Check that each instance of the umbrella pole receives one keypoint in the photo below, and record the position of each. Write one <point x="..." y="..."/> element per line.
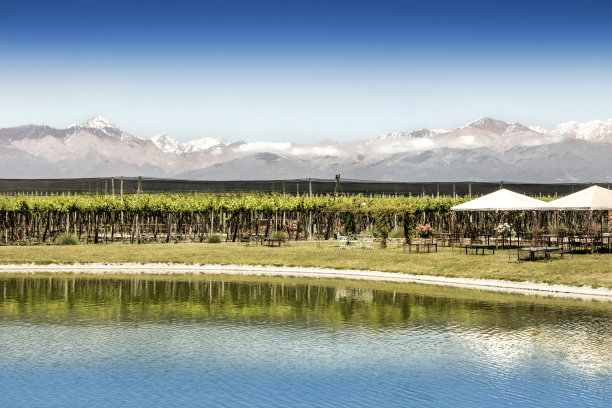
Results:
<point x="452" y="229"/>
<point x="534" y="231"/>
<point x="592" y="231"/>
<point x="496" y="224"/>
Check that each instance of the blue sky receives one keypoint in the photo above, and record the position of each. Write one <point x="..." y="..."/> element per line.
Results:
<point x="303" y="70"/>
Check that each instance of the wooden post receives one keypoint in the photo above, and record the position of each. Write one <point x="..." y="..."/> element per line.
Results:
<point x="309" y="225"/>
<point x="113" y="186"/>
<point x="336" y="186"/>
<point x="136" y="218"/>
<point x="139" y="188"/>
<point x="169" y="229"/>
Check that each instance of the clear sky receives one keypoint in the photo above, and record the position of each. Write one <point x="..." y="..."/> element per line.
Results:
<point x="303" y="70"/>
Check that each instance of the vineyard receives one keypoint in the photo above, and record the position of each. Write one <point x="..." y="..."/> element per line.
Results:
<point x="141" y="218"/>
<point x="193" y="217"/>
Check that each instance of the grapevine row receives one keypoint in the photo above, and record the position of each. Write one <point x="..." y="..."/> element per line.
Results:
<point x="194" y="217"/>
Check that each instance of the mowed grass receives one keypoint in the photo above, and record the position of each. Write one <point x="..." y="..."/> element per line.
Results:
<point x="592" y="269"/>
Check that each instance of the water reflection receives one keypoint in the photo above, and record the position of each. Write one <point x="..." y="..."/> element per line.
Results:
<point x="278" y="342"/>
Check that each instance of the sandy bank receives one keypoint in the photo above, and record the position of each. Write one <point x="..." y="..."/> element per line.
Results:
<point x="528" y="288"/>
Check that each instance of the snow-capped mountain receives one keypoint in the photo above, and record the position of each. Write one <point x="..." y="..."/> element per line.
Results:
<point x="97" y="122"/>
<point x="414" y="134"/>
<point x="169" y="145"/>
<point x="596" y="131"/>
<point x="485" y="149"/>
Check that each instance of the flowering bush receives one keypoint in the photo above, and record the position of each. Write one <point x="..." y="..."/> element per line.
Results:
<point x="339" y="228"/>
<point x="424" y="230"/>
<point x="505" y="230"/>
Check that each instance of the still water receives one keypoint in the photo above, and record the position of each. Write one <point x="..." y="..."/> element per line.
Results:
<point x="194" y="342"/>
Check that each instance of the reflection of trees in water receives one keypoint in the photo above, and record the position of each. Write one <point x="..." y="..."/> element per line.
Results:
<point x="106" y="299"/>
<point x="503" y="330"/>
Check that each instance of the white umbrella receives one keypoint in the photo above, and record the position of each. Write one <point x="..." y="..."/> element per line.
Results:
<point x="590" y="199"/>
<point x="502" y="200"/>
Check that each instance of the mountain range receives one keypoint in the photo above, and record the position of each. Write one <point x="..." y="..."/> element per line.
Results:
<point x="483" y="150"/>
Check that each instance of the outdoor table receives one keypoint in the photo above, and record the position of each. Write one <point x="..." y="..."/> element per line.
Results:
<point x="487" y="236"/>
<point x="426" y="245"/>
<point x="476" y="247"/>
<point x="272" y="241"/>
<point x="506" y="239"/>
<point x="258" y="239"/>
<point x="352" y="241"/>
<point x="548" y="238"/>
<point x="579" y="242"/>
<point x="606" y="240"/>
<point x="445" y="238"/>
<point x="533" y="251"/>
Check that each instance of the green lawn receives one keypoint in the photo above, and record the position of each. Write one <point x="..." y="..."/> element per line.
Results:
<point x="593" y="270"/>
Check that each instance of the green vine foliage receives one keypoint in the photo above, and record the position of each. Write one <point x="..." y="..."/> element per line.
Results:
<point x="156" y="204"/>
<point x="348" y="220"/>
<point x="382" y="224"/>
<point x="27" y="218"/>
<point x="409" y="227"/>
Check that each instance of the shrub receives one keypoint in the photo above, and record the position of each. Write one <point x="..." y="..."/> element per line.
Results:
<point x="424" y="230"/>
<point x="214" y="239"/>
<point x="67" y="239"/>
<point x="280" y="235"/>
<point x="374" y="233"/>
<point x="396" y="233"/>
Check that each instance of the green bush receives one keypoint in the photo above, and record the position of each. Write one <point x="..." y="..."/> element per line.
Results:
<point x="67" y="239"/>
<point x="214" y="239"/>
<point x="374" y="233"/>
<point x="397" y="233"/>
<point x="280" y="235"/>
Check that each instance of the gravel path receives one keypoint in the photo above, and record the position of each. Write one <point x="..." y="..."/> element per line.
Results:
<point x="529" y="288"/>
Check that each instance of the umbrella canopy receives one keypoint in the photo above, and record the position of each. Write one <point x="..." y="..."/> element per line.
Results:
<point x="502" y="200"/>
<point x="592" y="198"/>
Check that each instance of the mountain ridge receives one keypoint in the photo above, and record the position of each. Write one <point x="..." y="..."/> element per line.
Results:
<point x="483" y="149"/>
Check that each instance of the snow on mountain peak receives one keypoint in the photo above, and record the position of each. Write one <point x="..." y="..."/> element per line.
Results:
<point x="206" y="143"/>
<point x="165" y="143"/>
<point x="489" y="124"/>
<point x="169" y="145"/>
<point x="597" y="130"/>
<point x="98" y="122"/>
<point x="539" y="129"/>
<point x="414" y="134"/>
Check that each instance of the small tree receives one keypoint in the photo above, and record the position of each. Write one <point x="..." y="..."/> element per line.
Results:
<point x="383" y="225"/>
<point x="409" y="230"/>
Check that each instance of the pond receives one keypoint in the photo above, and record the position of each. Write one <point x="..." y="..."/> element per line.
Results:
<point x="164" y="341"/>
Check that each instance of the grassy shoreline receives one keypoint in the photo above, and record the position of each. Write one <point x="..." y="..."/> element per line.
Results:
<point x="590" y="270"/>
